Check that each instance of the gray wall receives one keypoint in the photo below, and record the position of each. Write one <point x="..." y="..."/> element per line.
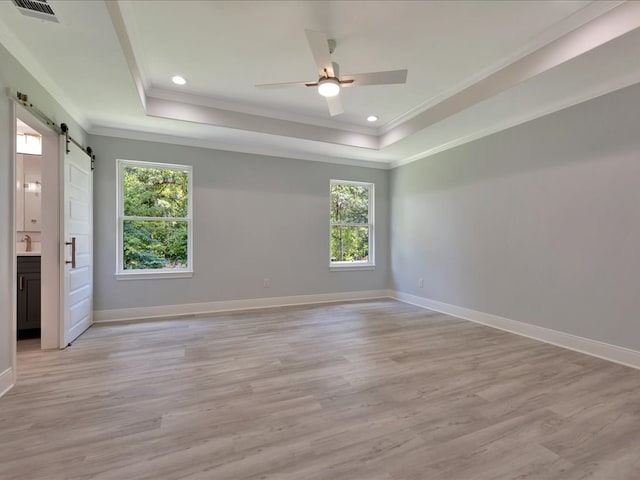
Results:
<point x="254" y="217"/>
<point x="15" y="77"/>
<point x="539" y="223"/>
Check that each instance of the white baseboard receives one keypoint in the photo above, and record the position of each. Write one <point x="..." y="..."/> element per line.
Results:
<point x="165" y="311"/>
<point x="7" y="381"/>
<point x="595" y="348"/>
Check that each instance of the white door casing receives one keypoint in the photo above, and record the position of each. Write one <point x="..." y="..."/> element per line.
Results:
<point x="77" y="244"/>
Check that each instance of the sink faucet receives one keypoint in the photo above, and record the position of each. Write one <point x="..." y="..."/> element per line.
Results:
<point x="27" y="239"/>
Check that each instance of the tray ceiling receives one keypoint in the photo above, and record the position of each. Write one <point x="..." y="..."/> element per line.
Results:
<point x="475" y="67"/>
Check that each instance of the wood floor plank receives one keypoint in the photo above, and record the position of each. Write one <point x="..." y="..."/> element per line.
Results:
<point x="375" y="390"/>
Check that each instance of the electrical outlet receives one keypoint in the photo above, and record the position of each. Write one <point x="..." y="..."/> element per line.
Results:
<point x="421" y="282"/>
<point x="267" y="283"/>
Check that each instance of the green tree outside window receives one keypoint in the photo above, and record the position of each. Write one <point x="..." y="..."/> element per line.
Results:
<point x="351" y="222"/>
<point x="155" y="216"/>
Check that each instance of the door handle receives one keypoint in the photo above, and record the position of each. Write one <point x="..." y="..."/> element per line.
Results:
<point x="73" y="252"/>
<point x="21" y="283"/>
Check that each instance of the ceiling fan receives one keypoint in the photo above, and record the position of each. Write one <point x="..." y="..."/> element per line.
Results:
<point x="330" y="82"/>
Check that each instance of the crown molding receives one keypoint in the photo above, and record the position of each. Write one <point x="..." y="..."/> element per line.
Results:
<point x="249" y="149"/>
<point x="585" y="96"/>
<point x="157" y="107"/>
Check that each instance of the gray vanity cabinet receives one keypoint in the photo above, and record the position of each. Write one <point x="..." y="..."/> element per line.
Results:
<point x="28" y="296"/>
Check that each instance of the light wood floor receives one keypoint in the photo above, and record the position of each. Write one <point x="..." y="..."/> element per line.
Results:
<point x="356" y="391"/>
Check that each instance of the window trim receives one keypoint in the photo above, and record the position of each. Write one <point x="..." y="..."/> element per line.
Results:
<point x="121" y="273"/>
<point x="370" y="264"/>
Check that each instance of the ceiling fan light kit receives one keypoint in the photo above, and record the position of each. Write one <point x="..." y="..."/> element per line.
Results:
<point x="328" y="87"/>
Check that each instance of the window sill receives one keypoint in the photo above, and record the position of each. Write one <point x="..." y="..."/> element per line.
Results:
<point x="351" y="266"/>
<point x="153" y="275"/>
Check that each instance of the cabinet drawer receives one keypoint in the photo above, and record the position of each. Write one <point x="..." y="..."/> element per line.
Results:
<point x="28" y="264"/>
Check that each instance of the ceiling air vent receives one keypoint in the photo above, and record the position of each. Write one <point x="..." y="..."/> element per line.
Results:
<point x="36" y="8"/>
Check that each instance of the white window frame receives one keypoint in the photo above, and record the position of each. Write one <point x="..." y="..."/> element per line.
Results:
<point x="357" y="265"/>
<point x="121" y="273"/>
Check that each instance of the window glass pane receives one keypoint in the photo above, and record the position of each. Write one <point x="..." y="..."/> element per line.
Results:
<point x="349" y="203"/>
<point x="28" y="143"/>
<point x="349" y="244"/>
<point x="154" y="245"/>
<point x="153" y="192"/>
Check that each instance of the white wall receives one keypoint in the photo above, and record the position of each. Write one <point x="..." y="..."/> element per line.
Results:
<point x="15" y="77"/>
<point x="255" y="217"/>
<point x="539" y="223"/>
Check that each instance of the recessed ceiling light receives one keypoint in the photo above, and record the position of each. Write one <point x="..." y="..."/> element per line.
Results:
<point x="372" y="118"/>
<point x="178" y="80"/>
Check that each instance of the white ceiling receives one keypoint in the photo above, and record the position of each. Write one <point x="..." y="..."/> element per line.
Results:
<point x="475" y="67"/>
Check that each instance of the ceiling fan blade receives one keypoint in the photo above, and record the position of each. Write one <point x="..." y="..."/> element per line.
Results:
<point x="319" y="46"/>
<point x="376" y="78"/>
<point x="267" y="86"/>
<point x="335" y="105"/>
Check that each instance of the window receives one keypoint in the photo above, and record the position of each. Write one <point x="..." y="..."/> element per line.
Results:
<point x="154" y="220"/>
<point x="352" y="231"/>
<point x="29" y="143"/>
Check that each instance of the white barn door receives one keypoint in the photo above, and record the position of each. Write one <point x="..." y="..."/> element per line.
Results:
<point x="77" y="277"/>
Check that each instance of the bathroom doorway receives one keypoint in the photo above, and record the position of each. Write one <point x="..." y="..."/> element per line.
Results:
<point x="36" y="232"/>
<point x="28" y="215"/>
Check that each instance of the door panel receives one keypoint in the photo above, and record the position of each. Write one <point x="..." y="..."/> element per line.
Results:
<point x="78" y="238"/>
